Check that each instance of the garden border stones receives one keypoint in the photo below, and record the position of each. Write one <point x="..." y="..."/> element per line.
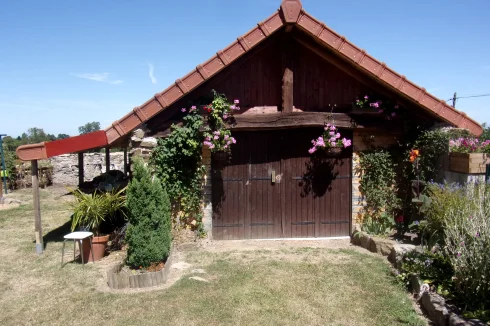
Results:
<point x="122" y="280"/>
<point x="433" y="304"/>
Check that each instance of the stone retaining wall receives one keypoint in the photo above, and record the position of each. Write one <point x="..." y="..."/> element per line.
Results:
<point x="433" y="304"/>
<point x="65" y="167"/>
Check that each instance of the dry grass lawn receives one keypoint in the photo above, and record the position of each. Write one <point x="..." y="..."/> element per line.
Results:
<point x="289" y="286"/>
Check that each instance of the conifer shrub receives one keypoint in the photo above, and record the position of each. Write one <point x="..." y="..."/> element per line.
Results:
<point x="149" y="231"/>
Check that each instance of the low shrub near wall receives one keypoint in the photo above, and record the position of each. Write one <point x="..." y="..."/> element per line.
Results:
<point x="467" y="238"/>
<point x="149" y="232"/>
<point x="457" y="226"/>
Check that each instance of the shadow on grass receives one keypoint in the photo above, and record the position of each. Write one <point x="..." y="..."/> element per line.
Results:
<point x="57" y="234"/>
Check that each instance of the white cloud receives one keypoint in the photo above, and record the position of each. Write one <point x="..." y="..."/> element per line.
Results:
<point x="99" y="77"/>
<point x="150" y="73"/>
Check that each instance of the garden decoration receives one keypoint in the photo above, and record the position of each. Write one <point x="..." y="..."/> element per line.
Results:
<point x="373" y="104"/>
<point x="330" y="141"/>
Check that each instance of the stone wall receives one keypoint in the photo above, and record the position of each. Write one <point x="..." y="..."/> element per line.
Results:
<point x="141" y="145"/>
<point x="65" y="167"/>
<point x="463" y="178"/>
<point x="207" y="205"/>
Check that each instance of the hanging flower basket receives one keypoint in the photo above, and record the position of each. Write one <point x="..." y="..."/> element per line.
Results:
<point x="220" y="159"/>
<point x="330" y="141"/>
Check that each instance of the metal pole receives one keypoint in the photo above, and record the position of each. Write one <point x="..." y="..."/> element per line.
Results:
<point x="3" y="165"/>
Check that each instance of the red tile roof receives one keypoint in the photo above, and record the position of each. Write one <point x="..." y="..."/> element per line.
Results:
<point x="290" y="13"/>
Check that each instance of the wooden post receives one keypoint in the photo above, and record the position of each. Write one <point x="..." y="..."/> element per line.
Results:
<point x="81" y="177"/>
<point x="37" y="208"/>
<point x="107" y="159"/>
<point x="288" y="77"/>
<point x="125" y="161"/>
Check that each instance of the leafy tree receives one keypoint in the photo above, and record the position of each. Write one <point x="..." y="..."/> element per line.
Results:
<point x="486" y="132"/>
<point x="37" y="135"/>
<point x="149" y="232"/>
<point x="62" y="136"/>
<point x="89" y="127"/>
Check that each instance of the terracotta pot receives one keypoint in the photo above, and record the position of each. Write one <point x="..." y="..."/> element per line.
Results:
<point x="99" y="244"/>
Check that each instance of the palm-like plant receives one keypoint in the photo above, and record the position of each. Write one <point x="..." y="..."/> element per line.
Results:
<point x="91" y="210"/>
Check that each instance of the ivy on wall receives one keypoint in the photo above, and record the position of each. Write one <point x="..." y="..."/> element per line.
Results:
<point x="387" y="175"/>
<point x="378" y="182"/>
<point x="177" y="161"/>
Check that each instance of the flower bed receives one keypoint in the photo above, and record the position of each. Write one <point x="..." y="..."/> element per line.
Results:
<point x="436" y="307"/>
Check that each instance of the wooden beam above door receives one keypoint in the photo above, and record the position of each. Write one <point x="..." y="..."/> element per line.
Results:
<point x="284" y="120"/>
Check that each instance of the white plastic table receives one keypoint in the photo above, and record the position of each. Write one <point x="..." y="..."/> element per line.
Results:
<point x="78" y="236"/>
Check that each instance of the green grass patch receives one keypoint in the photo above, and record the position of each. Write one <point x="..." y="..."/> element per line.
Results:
<point x="305" y="286"/>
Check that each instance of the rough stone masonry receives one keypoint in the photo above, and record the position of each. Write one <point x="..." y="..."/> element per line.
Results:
<point x="65" y="167"/>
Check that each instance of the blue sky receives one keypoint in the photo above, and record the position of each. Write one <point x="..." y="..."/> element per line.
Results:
<point x="65" y="63"/>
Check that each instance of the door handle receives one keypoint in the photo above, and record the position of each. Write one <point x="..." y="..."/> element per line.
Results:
<point x="273" y="176"/>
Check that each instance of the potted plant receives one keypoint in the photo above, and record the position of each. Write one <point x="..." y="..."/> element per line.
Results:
<point x="330" y="141"/>
<point x="90" y="212"/>
<point x="375" y="105"/>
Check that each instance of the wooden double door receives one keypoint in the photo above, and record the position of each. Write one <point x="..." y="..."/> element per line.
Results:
<point x="273" y="188"/>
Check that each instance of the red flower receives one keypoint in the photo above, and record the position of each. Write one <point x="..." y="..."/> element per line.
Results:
<point x="400" y="219"/>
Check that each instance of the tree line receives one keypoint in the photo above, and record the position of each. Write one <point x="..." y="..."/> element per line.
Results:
<point x="36" y="135"/>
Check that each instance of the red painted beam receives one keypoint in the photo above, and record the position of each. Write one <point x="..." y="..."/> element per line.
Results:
<point x="64" y="146"/>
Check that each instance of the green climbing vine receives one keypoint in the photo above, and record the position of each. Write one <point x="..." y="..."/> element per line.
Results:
<point x="177" y="161"/>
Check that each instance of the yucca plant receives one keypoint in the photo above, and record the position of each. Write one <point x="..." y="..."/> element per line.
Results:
<point x="91" y="210"/>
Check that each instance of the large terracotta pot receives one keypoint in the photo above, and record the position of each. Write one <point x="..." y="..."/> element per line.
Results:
<point x="99" y="244"/>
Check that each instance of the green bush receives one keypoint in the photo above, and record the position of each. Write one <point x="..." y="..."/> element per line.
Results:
<point x="149" y="232"/>
<point x="379" y="190"/>
<point x="432" y="267"/>
<point x="380" y="225"/>
<point x="467" y="239"/>
<point x="444" y="197"/>
<point x="178" y="163"/>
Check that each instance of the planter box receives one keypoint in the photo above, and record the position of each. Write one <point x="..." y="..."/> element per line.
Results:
<point x="468" y="163"/>
<point x="116" y="279"/>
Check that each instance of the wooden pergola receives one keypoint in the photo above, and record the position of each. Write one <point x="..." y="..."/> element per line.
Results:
<point x="78" y="144"/>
